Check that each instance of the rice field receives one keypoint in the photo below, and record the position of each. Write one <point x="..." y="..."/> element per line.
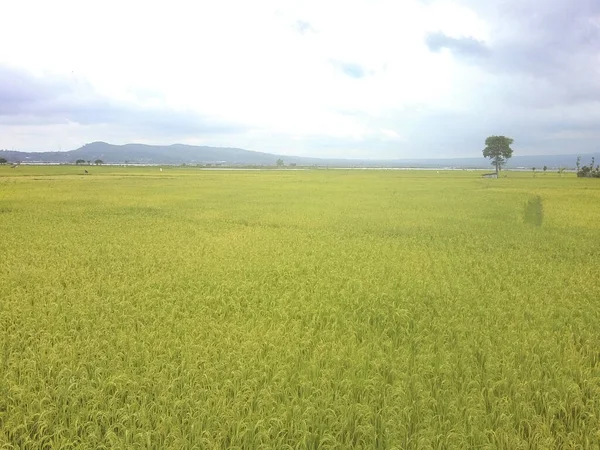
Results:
<point x="317" y="309"/>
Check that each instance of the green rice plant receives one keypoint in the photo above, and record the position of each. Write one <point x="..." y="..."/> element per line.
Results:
<point x="308" y="309"/>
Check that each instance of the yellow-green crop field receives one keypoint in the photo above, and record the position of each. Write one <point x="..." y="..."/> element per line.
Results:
<point x="286" y="309"/>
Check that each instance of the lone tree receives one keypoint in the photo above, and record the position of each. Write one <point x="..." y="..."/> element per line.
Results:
<point x="98" y="162"/>
<point x="3" y="161"/>
<point x="497" y="148"/>
<point x="545" y="168"/>
<point x="80" y="161"/>
<point x="280" y="163"/>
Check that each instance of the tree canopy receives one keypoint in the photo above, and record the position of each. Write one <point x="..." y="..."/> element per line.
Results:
<point x="497" y="148"/>
<point x="588" y="171"/>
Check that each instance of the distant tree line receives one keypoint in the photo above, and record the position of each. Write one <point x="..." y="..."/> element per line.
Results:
<point x="545" y="168"/>
<point x="587" y="171"/>
<point x="89" y="163"/>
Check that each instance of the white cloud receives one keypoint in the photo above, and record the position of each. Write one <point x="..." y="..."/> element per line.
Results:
<point x="326" y="78"/>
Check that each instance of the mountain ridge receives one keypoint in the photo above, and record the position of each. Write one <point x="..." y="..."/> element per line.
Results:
<point x="191" y="154"/>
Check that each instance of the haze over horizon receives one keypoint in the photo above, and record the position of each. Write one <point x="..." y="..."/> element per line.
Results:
<point x="341" y="79"/>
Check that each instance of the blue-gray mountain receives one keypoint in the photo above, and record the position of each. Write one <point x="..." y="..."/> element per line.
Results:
<point x="189" y="154"/>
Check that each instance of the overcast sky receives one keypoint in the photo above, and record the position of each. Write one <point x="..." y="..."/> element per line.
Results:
<point x="331" y="78"/>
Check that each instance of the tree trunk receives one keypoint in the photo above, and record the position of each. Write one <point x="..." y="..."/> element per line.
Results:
<point x="497" y="169"/>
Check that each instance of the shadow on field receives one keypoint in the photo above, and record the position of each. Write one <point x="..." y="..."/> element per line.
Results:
<point x="533" y="213"/>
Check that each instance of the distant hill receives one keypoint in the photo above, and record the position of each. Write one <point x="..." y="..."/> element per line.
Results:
<point x="146" y="154"/>
<point x="190" y="154"/>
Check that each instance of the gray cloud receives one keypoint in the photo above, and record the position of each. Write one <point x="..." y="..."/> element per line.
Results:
<point x="464" y="46"/>
<point x="541" y="83"/>
<point x="554" y="42"/>
<point x="29" y="100"/>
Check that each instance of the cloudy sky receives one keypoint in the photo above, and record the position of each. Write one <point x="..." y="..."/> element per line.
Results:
<point x="331" y="78"/>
